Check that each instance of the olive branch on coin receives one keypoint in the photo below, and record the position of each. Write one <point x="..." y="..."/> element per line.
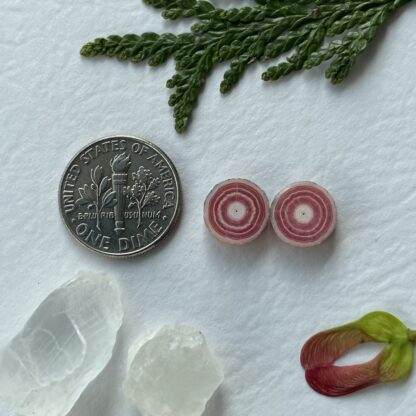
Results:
<point x="312" y="31"/>
<point x="141" y="193"/>
<point x="98" y="195"/>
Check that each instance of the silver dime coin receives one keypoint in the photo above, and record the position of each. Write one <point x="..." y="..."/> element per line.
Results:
<point x="120" y="196"/>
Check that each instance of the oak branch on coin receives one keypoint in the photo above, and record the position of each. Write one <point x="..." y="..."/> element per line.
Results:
<point x="308" y="30"/>
<point x="98" y="195"/>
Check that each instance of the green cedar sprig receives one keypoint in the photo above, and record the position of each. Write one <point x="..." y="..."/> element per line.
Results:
<point x="245" y="35"/>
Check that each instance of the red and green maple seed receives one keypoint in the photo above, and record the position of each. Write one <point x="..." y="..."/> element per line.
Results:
<point x="394" y="362"/>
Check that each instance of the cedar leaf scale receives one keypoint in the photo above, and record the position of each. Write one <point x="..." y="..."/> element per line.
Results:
<point x="311" y="32"/>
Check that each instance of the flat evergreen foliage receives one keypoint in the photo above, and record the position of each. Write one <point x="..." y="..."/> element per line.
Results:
<point x="312" y="32"/>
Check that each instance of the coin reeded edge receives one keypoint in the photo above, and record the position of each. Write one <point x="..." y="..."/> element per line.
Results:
<point x="172" y="223"/>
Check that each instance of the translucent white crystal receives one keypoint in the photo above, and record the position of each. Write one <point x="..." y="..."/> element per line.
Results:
<point x="64" y="345"/>
<point x="173" y="374"/>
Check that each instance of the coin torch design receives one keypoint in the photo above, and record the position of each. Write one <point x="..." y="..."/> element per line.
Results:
<point x="120" y="196"/>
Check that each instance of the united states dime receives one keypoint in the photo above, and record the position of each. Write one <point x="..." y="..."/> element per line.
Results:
<point x="120" y="196"/>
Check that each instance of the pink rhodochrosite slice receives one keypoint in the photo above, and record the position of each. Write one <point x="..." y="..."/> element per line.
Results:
<point x="236" y="211"/>
<point x="303" y="214"/>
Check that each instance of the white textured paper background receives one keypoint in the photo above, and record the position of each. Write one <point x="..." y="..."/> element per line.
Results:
<point x="256" y="304"/>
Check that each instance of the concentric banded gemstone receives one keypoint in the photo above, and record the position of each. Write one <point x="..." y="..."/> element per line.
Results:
<point x="236" y="211"/>
<point x="304" y="214"/>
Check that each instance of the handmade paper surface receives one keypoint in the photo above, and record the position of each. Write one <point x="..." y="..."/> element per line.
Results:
<point x="256" y="304"/>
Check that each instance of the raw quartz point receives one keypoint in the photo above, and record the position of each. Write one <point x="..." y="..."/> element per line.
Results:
<point x="173" y="374"/>
<point x="66" y="343"/>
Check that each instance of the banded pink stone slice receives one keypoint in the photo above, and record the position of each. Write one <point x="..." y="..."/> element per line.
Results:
<point x="303" y="214"/>
<point x="236" y="211"/>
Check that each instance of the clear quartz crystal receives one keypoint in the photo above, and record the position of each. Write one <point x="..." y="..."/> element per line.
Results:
<point x="173" y="374"/>
<point x="65" y="344"/>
